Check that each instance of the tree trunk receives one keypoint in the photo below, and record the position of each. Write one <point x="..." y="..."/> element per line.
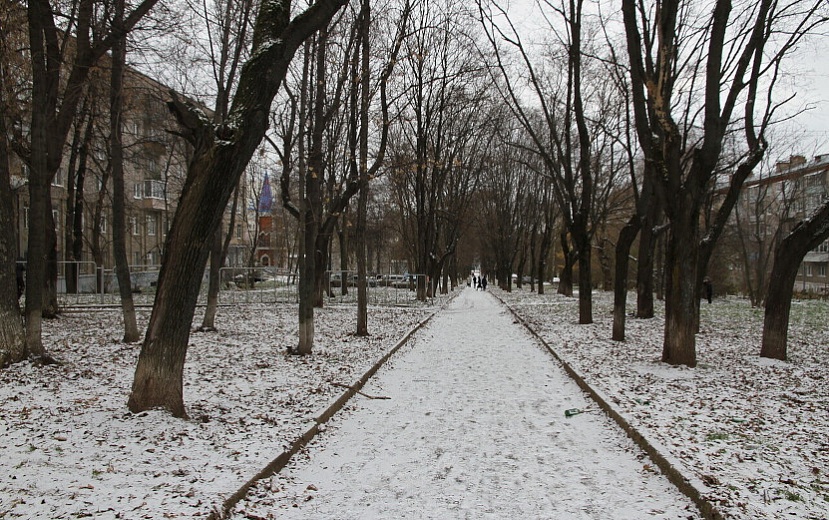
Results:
<point x="221" y="155"/>
<point x="585" y="276"/>
<point x="12" y="337"/>
<point x="362" y="201"/>
<point x="343" y="242"/>
<point x="39" y="181"/>
<point x="679" y="346"/>
<point x="565" y="283"/>
<point x="50" y="289"/>
<point x="122" y="269"/>
<point x="787" y="259"/>
<point x="620" y="281"/>
<point x="214" y="283"/>
<point x="645" y="264"/>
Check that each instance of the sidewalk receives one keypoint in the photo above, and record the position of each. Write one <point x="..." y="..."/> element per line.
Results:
<point x="474" y="427"/>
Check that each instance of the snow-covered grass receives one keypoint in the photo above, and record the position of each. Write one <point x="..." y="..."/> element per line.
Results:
<point x="71" y="449"/>
<point x="753" y="430"/>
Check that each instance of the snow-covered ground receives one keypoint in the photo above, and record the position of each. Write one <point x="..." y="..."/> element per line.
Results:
<point x="71" y="449"/>
<point x="474" y="427"/>
<point x="754" y="431"/>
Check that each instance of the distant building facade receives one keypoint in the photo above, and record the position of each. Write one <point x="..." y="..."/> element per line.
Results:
<point x="795" y="189"/>
<point x="155" y="167"/>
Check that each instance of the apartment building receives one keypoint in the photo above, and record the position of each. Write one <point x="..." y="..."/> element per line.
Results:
<point x="155" y="166"/>
<point x="789" y="194"/>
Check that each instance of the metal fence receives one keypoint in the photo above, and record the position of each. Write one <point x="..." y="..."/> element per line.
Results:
<point x="95" y="286"/>
<point x="381" y="289"/>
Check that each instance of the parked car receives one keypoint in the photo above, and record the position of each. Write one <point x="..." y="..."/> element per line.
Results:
<point x="245" y="280"/>
<point x="404" y="281"/>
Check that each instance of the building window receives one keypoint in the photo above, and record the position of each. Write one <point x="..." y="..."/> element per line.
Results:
<point x="238" y="231"/>
<point x="137" y="190"/>
<point x="56" y="219"/>
<point x="58" y="179"/>
<point x="807" y="268"/>
<point x="136" y="258"/>
<point x="134" y="225"/>
<point x="821" y="270"/>
<point x="26" y="217"/>
<point x="103" y="224"/>
<point x="154" y="190"/>
<point x="151" y="226"/>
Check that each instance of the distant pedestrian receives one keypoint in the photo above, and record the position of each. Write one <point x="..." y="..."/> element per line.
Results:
<point x="480" y="284"/>
<point x="483" y="282"/>
<point x="707" y="289"/>
<point x="19" y="269"/>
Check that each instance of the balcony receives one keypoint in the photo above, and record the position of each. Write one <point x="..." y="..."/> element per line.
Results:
<point x="153" y="195"/>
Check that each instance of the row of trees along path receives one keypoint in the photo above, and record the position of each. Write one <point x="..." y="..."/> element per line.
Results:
<point x="736" y="56"/>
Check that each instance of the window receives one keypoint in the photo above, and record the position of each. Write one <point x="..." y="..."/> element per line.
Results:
<point x="103" y="224"/>
<point x="26" y="217"/>
<point x="58" y="180"/>
<point x="807" y="268"/>
<point x="154" y="190"/>
<point x="137" y="190"/>
<point x="56" y="219"/>
<point x="136" y="258"/>
<point x="238" y="231"/>
<point x="151" y="225"/>
<point x="821" y="270"/>
<point x="134" y="225"/>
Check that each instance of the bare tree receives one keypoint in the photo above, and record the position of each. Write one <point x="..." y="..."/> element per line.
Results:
<point x="681" y="124"/>
<point x="440" y="140"/>
<point x="759" y="216"/>
<point x="119" y="228"/>
<point x="58" y="78"/>
<point x="221" y="153"/>
<point x="228" y="24"/>
<point x="559" y="129"/>
<point x="12" y="334"/>
<point x="788" y="256"/>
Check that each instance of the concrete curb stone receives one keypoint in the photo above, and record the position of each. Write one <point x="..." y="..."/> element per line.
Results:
<point x="672" y="468"/>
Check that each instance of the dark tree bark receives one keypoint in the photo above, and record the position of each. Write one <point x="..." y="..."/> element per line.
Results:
<point x="12" y="337"/>
<point x="119" y="228"/>
<point x="220" y="156"/>
<point x="788" y="256"/>
<point x="362" y="201"/>
<point x="78" y="159"/>
<point x="565" y="283"/>
<point x="620" y="290"/>
<point x="647" y="254"/>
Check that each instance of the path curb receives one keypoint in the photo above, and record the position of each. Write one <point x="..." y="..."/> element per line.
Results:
<point x="672" y="468"/>
<point x="277" y="464"/>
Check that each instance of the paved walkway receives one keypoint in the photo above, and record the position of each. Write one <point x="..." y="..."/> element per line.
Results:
<point x="474" y="428"/>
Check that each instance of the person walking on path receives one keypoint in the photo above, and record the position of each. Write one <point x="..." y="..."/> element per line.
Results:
<point x="473" y="427"/>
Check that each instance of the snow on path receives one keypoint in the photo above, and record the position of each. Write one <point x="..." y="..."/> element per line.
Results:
<point x="474" y="428"/>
